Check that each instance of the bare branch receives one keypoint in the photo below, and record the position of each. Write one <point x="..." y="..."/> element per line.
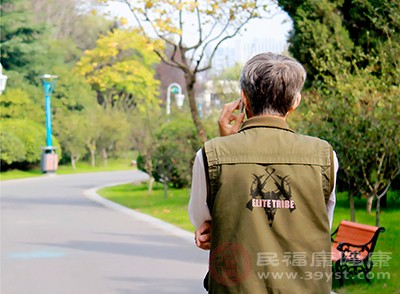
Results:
<point x="135" y="16"/>
<point x="174" y="63"/>
<point x="219" y="43"/>
<point x="164" y="60"/>
<point x="200" y="28"/>
<point x="181" y="28"/>
<point x="366" y="177"/>
<point x="384" y="191"/>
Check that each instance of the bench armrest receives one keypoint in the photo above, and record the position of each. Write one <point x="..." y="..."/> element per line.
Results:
<point x="334" y="233"/>
<point x="354" y="251"/>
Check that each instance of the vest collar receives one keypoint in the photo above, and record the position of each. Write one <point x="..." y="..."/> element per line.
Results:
<point x="265" y="122"/>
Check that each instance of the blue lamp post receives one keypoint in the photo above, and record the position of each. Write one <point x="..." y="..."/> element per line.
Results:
<point x="49" y="160"/>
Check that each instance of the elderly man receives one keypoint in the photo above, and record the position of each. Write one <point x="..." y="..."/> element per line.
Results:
<point x="262" y="195"/>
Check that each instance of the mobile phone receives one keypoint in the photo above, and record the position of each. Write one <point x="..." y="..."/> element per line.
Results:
<point x="241" y="107"/>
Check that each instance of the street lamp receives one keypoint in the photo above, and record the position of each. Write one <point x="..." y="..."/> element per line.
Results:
<point x="3" y="80"/>
<point x="176" y="89"/>
<point x="49" y="160"/>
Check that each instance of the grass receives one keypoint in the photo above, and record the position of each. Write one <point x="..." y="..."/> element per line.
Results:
<point x="173" y="209"/>
<point x="81" y="167"/>
<point x="387" y="276"/>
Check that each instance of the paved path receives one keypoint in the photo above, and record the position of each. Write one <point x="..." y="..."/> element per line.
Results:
<point x="55" y="240"/>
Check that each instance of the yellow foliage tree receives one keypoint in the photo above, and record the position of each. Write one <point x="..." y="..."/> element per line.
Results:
<point x="193" y="30"/>
<point x="121" y="70"/>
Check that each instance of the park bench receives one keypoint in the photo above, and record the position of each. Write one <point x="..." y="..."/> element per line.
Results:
<point x="352" y="249"/>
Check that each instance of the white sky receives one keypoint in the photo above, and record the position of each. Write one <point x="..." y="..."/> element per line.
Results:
<point x="276" y="28"/>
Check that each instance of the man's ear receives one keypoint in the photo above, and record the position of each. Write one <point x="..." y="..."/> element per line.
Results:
<point x="249" y="112"/>
<point x="296" y="102"/>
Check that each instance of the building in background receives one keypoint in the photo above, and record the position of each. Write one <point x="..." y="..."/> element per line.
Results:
<point x="216" y="92"/>
<point x="241" y="50"/>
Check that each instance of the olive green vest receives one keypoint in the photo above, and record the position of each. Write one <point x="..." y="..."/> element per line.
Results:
<point x="267" y="193"/>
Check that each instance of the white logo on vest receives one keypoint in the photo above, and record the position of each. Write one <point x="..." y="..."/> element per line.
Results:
<point x="271" y="197"/>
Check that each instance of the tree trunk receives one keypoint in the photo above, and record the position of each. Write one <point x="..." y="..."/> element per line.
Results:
<point x="92" y="156"/>
<point x="150" y="185"/>
<point x="149" y="170"/>
<point x="73" y="163"/>
<point x="378" y="212"/>
<point x="165" y="189"/>
<point x="370" y="199"/>
<point x="104" y="156"/>
<point x="383" y="201"/>
<point x="352" y="208"/>
<point x="378" y="203"/>
<point x="190" y="81"/>
<point x="74" y="159"/>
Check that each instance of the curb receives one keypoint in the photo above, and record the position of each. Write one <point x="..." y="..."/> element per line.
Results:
<point x="167" y="227"/>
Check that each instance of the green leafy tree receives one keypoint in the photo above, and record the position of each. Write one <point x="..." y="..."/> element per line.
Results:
<point x="16" y="103"/>
<point x="71" y="93"/>
<point x="115" y="130"/>
<point x="21" y="143"/>
<point x="12" y="148"/>
<point x="93" y="131"/>
<point x="72" y="136"/>
<point x="173" y="155"/>
<point x="351" y="50"/>
<point x="20" y="38"/>
<point x="143" y="136"/>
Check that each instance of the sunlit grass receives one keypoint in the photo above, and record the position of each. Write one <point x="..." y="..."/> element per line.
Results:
<point x="172" y="209"/>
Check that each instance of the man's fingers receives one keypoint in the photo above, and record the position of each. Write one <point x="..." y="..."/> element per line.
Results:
<point x="238" y="121"/>
<point x="205" y="246"/>
<point x="227" y="117"/>
<point x="232" y="117"/>
<point x="228" y="109"/>
<point x="204" y="237"/>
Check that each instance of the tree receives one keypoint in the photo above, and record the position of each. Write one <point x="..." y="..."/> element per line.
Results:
<point x="20" y="38"/>
<point x="25" y="46"/>
<point x="120" y="70"/>
<point x="115" y="130"/>
<point x="210" y="23"/>
<point x="177" y="143"/>
<point x="73" y="25"/>
<point x="93" y="131"/>
<point x="72" y="136"/>
<point x="63" y="16"/>
<point x="21" y="142"/>
<point x="360" y="122"/>
<point x="353" y="88"/>
<point x="143" y="134"/>
<point x="16" y="103"/>
<point x="72" y="93"/>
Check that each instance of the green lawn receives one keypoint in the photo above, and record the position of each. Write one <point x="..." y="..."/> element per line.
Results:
<point x="81" y="167"/>
<point x="173" y="209"/>
<point x="387" y="246"/>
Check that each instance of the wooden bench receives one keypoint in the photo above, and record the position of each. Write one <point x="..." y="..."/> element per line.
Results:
<point x="352" y="249"/>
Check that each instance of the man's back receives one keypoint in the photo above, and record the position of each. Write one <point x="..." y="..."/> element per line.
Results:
<point x="268" y="189"/>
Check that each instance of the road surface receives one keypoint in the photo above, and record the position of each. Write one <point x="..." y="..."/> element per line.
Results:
<point x="56" y="239"/>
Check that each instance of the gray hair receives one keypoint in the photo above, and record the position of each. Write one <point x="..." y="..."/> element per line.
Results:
<point x="272" y="82"/>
